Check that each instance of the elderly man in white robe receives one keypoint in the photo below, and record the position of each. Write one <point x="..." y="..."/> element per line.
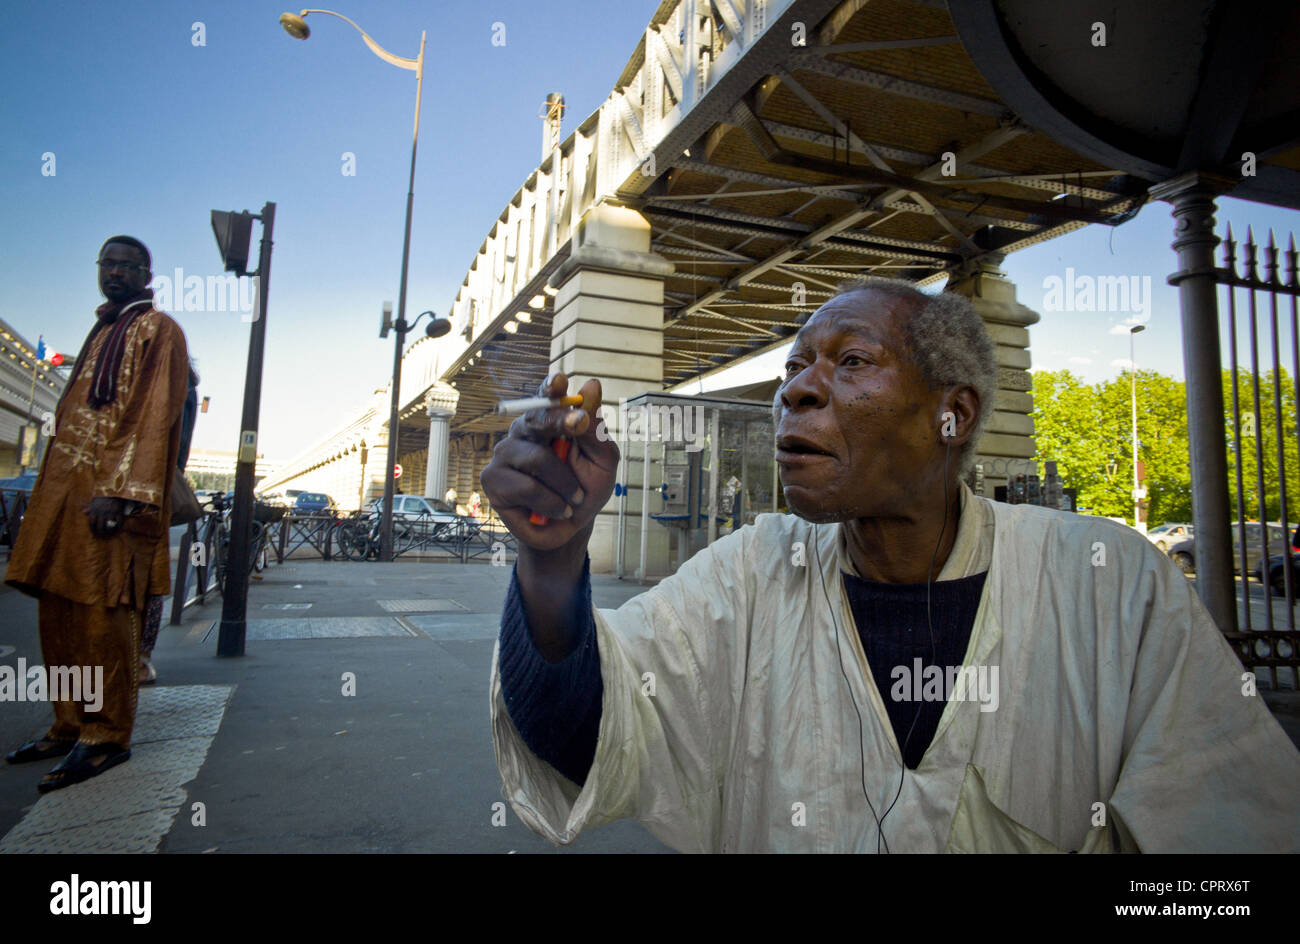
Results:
<point x="897" y="666"/>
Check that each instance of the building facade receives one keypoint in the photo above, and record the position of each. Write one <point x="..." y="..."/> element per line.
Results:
<point x="29" y="391"/>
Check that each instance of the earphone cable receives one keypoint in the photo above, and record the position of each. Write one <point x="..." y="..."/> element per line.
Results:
<point x="930" y="626"/>
<point x="862" y="751"/>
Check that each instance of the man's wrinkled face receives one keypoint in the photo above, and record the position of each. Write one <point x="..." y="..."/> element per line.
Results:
<point x="122" y="271"/>
<point x="856" y="423"/>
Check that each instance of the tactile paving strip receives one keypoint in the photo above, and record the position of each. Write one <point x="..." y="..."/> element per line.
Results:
<point x="131" y="807"/>
<point x="422" y="606"/>
<point x="454" y="626"/>
<point x="325" y="627"/>
<point x="318" y="627"/>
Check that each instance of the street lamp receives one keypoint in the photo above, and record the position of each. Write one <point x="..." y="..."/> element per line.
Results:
<point x="1132" y="365"/>
<point x="296" y="26"/>
<point x="436" y="328"/>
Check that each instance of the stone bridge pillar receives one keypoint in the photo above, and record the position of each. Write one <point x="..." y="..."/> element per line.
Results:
<point x="1007" y="446"/>
<point x="440" y="403"/>
<point x="608" y="324"/>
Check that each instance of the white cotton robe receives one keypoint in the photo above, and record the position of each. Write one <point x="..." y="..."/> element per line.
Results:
<point x="1120" y="720"/>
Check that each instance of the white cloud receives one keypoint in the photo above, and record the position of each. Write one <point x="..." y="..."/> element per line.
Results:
<point x="1121" y="362"/>
<point x="1124" y="326"/>
<point x="1080" y="360"/>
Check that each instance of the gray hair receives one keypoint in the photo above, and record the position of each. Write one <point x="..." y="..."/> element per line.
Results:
<point x="949" y="345"/>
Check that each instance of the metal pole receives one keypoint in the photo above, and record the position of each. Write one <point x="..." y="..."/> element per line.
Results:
<point x="623" y="476"/>
<point x="715" y="447"/>
<point x="1192" y="196"/>
<point x="183" y="569"/>
<point x="234" y="601"/>
<point x="31" y="399"/>
<point x="1132" y="370"/>
<point x="31" y="412"/>
<point x="645" y="502"/>
<point x="775" y="483"/>
<point x="394" y="430"/>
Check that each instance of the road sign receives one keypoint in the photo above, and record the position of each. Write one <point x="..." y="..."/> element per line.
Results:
<point x="397" y="471"/>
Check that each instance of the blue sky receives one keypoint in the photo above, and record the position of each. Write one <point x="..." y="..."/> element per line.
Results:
<point x="149" y="132"/>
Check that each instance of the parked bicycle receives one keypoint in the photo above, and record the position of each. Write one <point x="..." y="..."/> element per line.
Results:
<point x="358" y="536"/>
<point x="215" y="540"/>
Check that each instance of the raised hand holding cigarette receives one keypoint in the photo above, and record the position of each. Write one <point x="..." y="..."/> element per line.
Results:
<point x="551" y="475"/>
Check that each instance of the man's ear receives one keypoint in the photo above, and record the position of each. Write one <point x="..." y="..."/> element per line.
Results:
<point x="958" y="413"/>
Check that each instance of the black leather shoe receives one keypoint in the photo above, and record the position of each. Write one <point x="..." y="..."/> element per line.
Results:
<point x="40" y="749"/>
<point x="83" y="762"/>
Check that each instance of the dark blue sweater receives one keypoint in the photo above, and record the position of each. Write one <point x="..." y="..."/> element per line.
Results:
<point x="556" y="708"/>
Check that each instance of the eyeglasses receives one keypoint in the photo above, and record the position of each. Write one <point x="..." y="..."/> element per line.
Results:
<point x="110" y="264"/>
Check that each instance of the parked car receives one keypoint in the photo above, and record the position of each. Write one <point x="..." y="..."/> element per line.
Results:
<point x="1170" y="533"/>
<point x="18" y="483"/>
<point x="425" y="508"/>
<point x="313" y="503"/>
<point x="1276" y="573"/>
<point x="13" y="502"/>
<point x="1184" y="552"/>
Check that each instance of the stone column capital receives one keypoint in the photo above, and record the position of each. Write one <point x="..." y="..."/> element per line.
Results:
<point x="1192" y="182"/>
<point x="440" y="400"/>
<point x="622" y="261"/>
<point x="991" y="292"/>
<point x="615" y="239"/>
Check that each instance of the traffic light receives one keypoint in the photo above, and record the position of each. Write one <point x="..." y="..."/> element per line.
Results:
<point x="234" y="232"/>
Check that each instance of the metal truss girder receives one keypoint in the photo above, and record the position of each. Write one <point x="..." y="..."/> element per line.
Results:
<point x="804" y="189"/>
<point x="873" y="45"/>
<point x="696" y="256"/>
<point x="878" y="247"/>
<point x="893" y="85"/>
<point x="773" y="306"/>
<point x="695" y="223"/>
<point x="906" y="206"/>
<point x="631" y="124"/>
<point x="773" y="287"/>
<point x="689" y="329"/>
<point x="697" y="277"/>
<point x="811" y="100"/>
<point x="848" y="273"/>
<point x="751" y="177"/>
<point x="804" y="274"/>
<point x="731" y="19"/>
<point x="870" y="241"/>
<point x="671" y="68"/>
<point x="717" y="218"/>
<point x="753" y="328"/>
<point x="1044" y="182"/>
<point x="921" y="184"/>
<point x="768" y="49"/>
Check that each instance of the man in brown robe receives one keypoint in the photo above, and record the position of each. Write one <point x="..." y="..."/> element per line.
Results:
<point x="93" y="545"/>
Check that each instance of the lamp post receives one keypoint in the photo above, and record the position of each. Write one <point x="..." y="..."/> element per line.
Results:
<point x="437" y="328"/>
<point x="296" y="26"/>
<point x="1132" y="364"/>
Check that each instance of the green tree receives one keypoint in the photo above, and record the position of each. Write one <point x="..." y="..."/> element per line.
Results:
<point x="1087" y="429"/>
<point x="1259" y="441"/>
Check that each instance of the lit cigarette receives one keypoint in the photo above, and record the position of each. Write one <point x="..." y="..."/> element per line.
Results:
<point x="537" y="403"/>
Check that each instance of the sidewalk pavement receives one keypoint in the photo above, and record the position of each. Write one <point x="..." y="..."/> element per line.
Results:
<point x="279" y="758"/>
